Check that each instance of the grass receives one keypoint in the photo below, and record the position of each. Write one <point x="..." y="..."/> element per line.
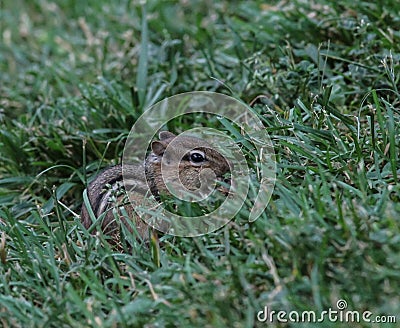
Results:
<point x="322" y="76"/>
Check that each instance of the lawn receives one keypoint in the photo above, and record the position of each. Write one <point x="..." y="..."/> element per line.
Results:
<point x="322" y="76"/>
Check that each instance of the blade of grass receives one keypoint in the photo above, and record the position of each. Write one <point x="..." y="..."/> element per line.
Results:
<point x="141" y="78"/>
<point x="392" y="139"/>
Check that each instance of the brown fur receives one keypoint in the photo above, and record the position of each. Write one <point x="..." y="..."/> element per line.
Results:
<point x="108" y="183"/>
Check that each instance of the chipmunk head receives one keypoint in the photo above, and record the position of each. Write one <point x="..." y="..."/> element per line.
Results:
<point x="185" y="160"/>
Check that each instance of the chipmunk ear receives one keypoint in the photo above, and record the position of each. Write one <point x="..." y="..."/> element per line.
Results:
<point x="166" y="135"/>
<point x="158" y="147"/>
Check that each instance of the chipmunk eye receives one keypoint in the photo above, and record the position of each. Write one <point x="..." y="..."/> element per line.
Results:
<point x="197" y="157"/>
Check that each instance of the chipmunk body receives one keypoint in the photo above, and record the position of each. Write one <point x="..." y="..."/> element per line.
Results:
<point x="187" y="155"/>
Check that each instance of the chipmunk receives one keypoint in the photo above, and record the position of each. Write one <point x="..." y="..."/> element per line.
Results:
<point x="189" y="164"/>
